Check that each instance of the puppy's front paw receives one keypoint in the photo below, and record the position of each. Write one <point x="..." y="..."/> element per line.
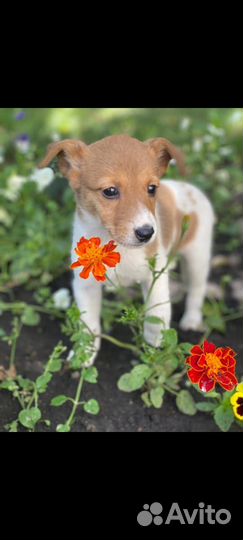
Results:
<point x="93" y="355"/>
<point x="192" y="321"/>
<point x="152" y="336"/>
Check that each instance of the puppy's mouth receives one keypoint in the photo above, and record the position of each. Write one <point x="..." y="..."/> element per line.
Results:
<point x="135" y="244"/>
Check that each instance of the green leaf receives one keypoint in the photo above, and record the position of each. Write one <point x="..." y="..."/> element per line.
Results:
<point x="186" y="347"/>
<point x="145" y="398"/>
<point x="152" y="319"/>
<point x="212" y="394"/>
<point x="125" y="383"/>
<point x="26" y="384"/>
<point x="224" y="417"/>
<point x="63" y="428"/>
<point x="162" y="377"/>
<point x="186" y="403"/>
<point x="59" y="400"/>
<point x="92" y="406"/>
<point x="9" y="385"/>
<point x="173" y="381"/>
<point x="42" y="382"/>
<point x="216" y="323"/>
<point x="214" y="316"/>
<point x="205" y="406"/>
<point x="13" y="427"/>
<point x="170" y="338"/>
<point x="156" y="396"/>
<point x="170" y="365"/>
<point x="135" y="379"/>
<point x="29" y="417"/>
<point x="30" y="317"/>
<point x="91" y="375"/>
<point x="54" y="365"/>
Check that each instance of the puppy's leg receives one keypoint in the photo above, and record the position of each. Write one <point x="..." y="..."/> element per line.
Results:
<point x="196" y="267"/>
<point x="157" y="304"/>
<point x="88" y="296"/>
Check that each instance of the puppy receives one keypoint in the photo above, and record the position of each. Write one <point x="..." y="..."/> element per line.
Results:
<point x="120" y="196"/>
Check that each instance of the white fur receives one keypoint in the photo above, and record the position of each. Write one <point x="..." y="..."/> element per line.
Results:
<point x="134" y="268"/>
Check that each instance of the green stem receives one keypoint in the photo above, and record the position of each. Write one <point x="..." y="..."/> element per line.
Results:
<point x="206" y="335"/>
<point x="20" y="401"/>
<point x="14" y="345"/>
<point x="36" y="397"/>
<point x="120" y="344"/>
<point x="171" y="256"/>
<point x="33" y="397"/>
<point x="76" y="399"/>
<point x="157" y="275"/>
<point x="233" y="316"/>
<point x="154" y="306"/>
<point x="170" y="390"/>
<point x="22" y="306"/>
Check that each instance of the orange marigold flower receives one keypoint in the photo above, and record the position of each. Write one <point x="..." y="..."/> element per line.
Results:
<point x="94" y="257"/>
<point x="211" y="365"/>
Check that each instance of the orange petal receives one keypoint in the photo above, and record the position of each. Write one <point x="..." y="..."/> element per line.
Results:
<point x="86" y="271"/>
<point x="82" y="242"/>
<point x="76" y="264"/>
<point x="100" y="278"/>
<point x="109" y="247"/>
<point x="85" y="261"/>
<point x="81" y="251"/>
<point x="112" y="259"/>
<point x="99" y="269"/>
<point x="95" y="240"/>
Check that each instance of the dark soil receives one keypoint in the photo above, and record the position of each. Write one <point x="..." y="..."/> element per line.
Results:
<point x="119" y="411"/>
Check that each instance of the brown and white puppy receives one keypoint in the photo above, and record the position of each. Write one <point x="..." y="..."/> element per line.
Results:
<point x="120" y="196"/>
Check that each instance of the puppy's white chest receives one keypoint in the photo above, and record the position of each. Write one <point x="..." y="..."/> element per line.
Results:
<point x="133" y="267"/>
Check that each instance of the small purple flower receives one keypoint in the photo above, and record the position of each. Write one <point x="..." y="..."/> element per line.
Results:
<point x="20" y="116"/>
<point x="22" y="143"/>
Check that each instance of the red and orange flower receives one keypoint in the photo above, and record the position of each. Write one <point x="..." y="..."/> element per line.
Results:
<point x="210" y="365"/>
<point x="94" y="258"/>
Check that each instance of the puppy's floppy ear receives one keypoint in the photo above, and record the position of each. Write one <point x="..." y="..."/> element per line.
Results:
<point x="69" y="154"/>
<point x="164" y="151"/>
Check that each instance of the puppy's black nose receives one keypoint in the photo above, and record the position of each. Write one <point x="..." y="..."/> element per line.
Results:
<point x="144" y="233"/>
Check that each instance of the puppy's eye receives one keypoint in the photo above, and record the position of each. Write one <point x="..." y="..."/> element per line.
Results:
<point x="111" y="193"/>
<point x="152" y="189"/>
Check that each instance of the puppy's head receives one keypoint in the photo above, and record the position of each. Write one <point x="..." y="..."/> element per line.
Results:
<point x="117" y="179"/>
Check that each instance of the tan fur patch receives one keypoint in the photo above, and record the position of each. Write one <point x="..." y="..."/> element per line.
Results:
<point x="167" y="214"/>
<point x="171" y="221"/>
<point x="190" y="233"/>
